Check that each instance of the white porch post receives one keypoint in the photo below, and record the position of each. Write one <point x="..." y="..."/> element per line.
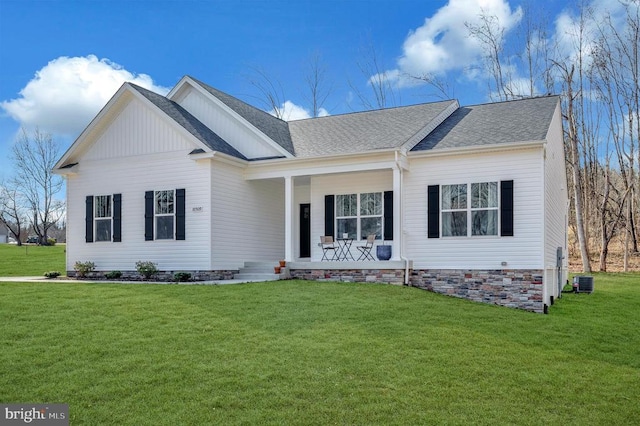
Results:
<point x="397" y="214"/>
<point x="288" y="219"/>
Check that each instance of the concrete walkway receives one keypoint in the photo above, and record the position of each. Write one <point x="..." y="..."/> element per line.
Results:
<point x="71" y="280"/>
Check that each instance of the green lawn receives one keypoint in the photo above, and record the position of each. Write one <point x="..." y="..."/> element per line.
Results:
<point x="296" y="352"/>
<point x="31" y="260"/>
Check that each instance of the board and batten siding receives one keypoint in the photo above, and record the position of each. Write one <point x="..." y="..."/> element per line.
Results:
<point x="139" y="152"/>
<point x="556" y="207"/>
<point x="226" y="126"/>
<point x="247" y="218"/>
<point x="341" y="183"/>
<point x="137" y="130"/>
<point x="521" y="251"/>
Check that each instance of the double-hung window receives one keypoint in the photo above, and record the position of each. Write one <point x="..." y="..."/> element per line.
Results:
<point x="164" y="214"/>
<point x="470" y="209"/>
<point x="359" y="215"/>
<point x="102" y="217"/>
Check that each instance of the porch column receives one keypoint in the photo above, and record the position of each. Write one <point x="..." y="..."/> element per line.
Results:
<point x="397" y="214"/>
<point x="288" y="219"/>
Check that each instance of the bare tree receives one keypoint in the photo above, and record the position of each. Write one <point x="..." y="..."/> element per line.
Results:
<point x="573" y="153"/>
<point x="381" y="83"/>
<point x="490" y="33"/>
<point x="11" y="211"/>
<point x="271" y="94"/>
<point x="317" y="89"/>
<point x="34" y="156"/>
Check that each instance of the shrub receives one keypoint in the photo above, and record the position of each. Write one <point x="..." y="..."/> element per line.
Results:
<point x="113" y="275"/>
<point x="182" y="276"/>
<point x="52" y="274"/>
<point x="146" y="269"/>
<point x="83" y="268"/>
<point x="51" y="241"/>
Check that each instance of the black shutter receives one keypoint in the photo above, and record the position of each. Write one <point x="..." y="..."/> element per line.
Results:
<point x="117" y="218"/>
<point x="180" y="216"/>
<point x="433" y="211"/>
<point x="329" y="215"/>
<point x="506" y="208"/>
<point x="148" y="216"/>
<point x="88" y="219"/>
<point x="388" y="215"/>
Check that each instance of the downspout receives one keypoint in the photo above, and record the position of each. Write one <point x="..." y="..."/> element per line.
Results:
<point x="401" y="195"/>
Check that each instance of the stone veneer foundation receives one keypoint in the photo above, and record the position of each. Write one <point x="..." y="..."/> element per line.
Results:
<point x="520" y="289"/>
<point x="390" y="276"/>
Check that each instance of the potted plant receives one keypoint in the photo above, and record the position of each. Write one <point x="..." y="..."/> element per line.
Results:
<point x="282" y="263"/>
<point x="277" y="269"/>
<point x="383" y="251"/>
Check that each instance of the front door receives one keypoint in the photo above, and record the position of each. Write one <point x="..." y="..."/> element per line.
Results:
<point x="305" y="230"/>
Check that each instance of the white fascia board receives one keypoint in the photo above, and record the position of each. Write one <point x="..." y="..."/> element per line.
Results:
<point x="430" y="127"/>
<point x="477" y="149"/>
<point x="266" y="139"/>
<point x="113" y="103"/>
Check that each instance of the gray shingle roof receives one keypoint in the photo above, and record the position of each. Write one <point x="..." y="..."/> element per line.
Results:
<point x="362" y="131"/>
<point x="273" y="127"/>
<point x="189" y="122"/>
<point x="496" y="123"/>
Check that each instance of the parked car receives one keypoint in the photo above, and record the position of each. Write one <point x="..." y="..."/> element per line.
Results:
<point x="12" y="241"/>
<point x="33" y="240"/>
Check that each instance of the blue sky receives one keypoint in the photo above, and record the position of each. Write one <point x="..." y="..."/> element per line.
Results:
<point x="60" y="61"/>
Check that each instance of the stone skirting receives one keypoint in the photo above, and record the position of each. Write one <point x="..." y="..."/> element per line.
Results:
<point x="522" y="289"/>
<point x="389" y="276"/>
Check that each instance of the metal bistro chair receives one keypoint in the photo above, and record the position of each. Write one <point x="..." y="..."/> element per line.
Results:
<point x="366" y="249"/>
<point x="328" y="246"/>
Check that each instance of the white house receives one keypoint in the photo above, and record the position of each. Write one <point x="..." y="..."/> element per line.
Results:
<point x="471" y="200"/>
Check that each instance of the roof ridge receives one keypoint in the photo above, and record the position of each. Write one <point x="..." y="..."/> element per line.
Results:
<point x="528" y="98"/>
<point x="369" y="111"/>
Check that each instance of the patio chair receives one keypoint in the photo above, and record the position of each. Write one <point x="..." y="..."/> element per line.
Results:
<point x="365" y="250"/>
<point x="328" y="247"/>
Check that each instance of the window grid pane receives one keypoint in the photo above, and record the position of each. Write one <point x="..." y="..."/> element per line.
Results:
<point x="454" y="197"/>
<point x="164" y="202"/>
<point x="371" y="204"/>
<point x="103" y="206"/>
<point x="347" y="205"/>
<point x="164" y="227"/>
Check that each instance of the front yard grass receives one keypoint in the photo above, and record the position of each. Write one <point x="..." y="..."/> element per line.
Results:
<point x="295" y="352"/>
<point x="31" y="260"/>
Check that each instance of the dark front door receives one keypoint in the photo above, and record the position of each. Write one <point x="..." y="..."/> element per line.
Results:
<point x="305" y="230"/>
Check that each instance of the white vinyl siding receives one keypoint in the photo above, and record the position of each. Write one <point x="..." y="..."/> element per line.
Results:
<point x="556" y="208"/>
<point x="523" y="250"/>
<point x="247" y="218"/>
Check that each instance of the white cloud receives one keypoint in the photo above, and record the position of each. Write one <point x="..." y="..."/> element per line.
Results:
<point x="67" y="93"/>
<point x="290" y="111"/>
<point x="443" y="43"/>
